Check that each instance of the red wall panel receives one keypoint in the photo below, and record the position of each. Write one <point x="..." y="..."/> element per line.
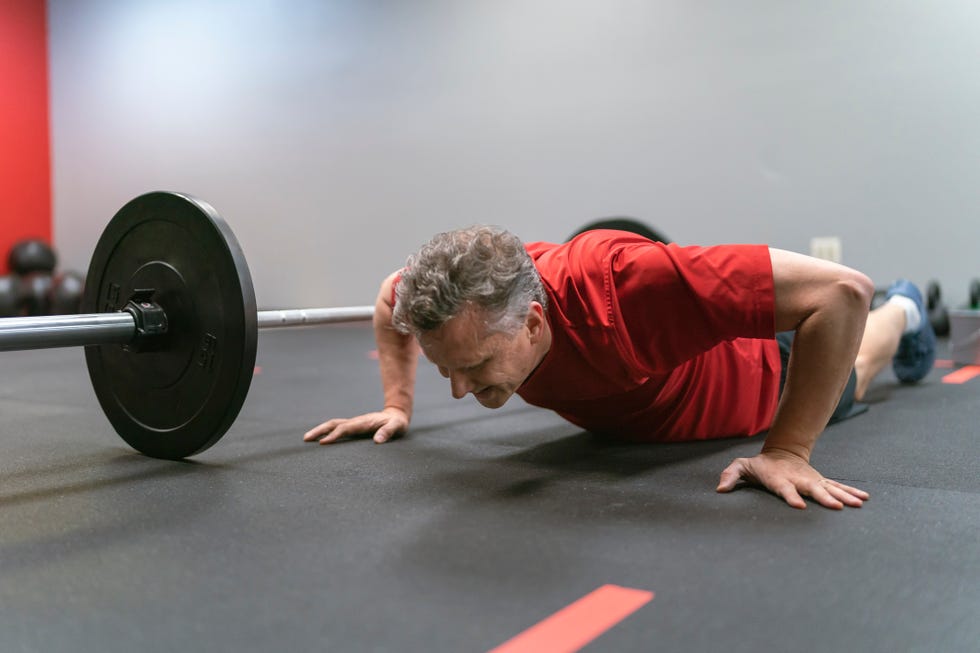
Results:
<point x="25" y="161"/>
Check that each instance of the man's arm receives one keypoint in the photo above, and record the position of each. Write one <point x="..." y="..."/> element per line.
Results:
<point x="398" y="359"/>
<point x="827" y="305"/>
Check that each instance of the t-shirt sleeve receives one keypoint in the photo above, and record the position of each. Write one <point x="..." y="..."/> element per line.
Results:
<point x="673" y="303"/>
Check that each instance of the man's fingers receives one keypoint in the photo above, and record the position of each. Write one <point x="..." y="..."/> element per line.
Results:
<point x="383" y="426"/>
<point x="849" y="500"/>
<point x="386" y="432"/>
<point x="319" y="431"/>
<point x="847" y="495"/>
<point x="334" y="435"/>
<point x="730" y="476"/>
<point x="834" y="495"/>
<point x="349" y="427"/>
<point x="790" y="495"/>
<point x="825" y="495"/>
<point x="853" y="491"/>
<point x="333" y="430"/>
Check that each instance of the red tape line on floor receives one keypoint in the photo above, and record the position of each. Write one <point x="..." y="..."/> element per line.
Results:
<point x="963" y="374"/>
<point x="574" y="626"/>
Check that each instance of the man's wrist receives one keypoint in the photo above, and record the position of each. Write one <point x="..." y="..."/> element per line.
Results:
<point x="407" y="413"/>
<point x="795" y="449"/>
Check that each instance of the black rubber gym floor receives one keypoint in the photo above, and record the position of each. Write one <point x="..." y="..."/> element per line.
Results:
<point x="471" y="530"/>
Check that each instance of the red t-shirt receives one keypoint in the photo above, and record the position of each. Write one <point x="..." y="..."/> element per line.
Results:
<point x="657" y="342"/>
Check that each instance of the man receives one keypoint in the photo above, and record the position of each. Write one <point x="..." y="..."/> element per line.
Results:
<point x="644" y="341"/>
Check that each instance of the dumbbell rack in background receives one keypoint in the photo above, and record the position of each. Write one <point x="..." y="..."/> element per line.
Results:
<point x="964" y="329"/>
<point x="33" y="287"/>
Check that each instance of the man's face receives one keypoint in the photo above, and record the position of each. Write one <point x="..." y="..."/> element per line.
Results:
<point x="490" y="366"/>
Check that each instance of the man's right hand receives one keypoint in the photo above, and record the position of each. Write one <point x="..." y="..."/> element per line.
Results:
<point x="385" y="425"/>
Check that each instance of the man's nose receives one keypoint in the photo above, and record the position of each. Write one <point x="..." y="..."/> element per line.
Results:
<point x="460" y="384"/>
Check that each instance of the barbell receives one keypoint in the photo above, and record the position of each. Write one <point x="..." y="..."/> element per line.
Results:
<point x="169" y="325"/>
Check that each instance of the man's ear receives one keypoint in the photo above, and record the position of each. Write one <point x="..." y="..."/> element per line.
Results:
<point x="535" y="321"/>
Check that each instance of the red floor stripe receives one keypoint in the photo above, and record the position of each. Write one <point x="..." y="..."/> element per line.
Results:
<point x="963" y="374"/>
<point x="574" y="626"/>
<point x="943" y="364"/>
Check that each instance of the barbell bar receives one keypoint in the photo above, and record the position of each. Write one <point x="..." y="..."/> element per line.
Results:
<point x="297" y="317"/>
<point x="169" y="325"/>
<point x="66" y="331"/>
<point x="120" y="328"/>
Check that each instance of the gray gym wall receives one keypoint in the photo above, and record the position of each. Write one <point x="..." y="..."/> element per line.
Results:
<point x="335" y="136"/>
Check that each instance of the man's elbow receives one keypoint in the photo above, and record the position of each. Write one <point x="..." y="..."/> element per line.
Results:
<point x="856" y="290"/>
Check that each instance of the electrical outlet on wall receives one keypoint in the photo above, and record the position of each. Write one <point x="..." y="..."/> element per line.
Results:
<point x="826" y="247"/>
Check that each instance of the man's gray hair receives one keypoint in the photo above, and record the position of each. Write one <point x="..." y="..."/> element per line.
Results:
<point x="483" y="266"/>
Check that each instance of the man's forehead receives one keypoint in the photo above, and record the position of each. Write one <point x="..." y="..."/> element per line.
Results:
<point x="456" y="360"/>
<point x="467" y="324"/>
<point x="462" y="338"/>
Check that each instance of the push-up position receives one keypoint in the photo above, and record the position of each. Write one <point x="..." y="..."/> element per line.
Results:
<point x="643" y="341"/>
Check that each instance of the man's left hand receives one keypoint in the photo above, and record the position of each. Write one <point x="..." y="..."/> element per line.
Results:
<point x="790" y="477"/>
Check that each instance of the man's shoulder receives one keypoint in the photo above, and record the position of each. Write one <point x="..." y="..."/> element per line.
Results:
<point x="579" y="274"/>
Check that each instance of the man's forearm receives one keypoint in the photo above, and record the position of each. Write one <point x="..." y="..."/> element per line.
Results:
<point x="398" y="360"/>
<point x="820" y="363"/>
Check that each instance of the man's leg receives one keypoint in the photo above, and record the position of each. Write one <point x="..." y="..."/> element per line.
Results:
<point x="882" y="334"/>
<point x="898" y="332"/>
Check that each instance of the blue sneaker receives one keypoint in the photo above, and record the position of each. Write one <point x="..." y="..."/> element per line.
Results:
<point x="916" y="350"/>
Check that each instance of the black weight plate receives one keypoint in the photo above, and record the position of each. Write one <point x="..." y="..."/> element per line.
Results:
<point x="623" y="223"/>
<point x="179" y="399"/>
